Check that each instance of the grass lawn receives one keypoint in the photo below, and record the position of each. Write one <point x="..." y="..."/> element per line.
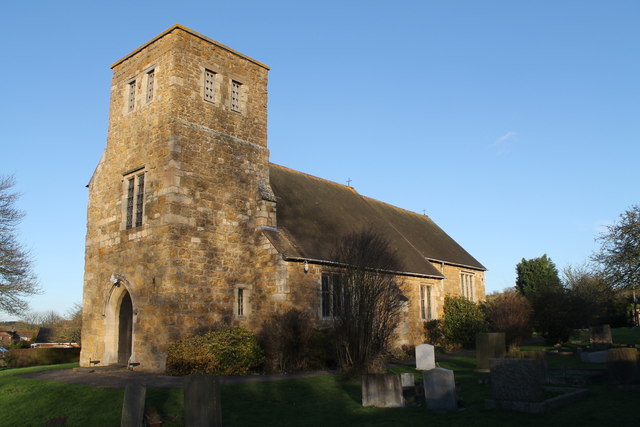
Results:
<point x="315" y="401"/>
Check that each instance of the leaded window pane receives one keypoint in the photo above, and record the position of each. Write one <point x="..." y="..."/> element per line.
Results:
<point x="337" y="295"/>
<point x="140" y="200"/>
<point x="325" y="297"/>
<point x="240" y="302"/>
<point x="130" y="190"/>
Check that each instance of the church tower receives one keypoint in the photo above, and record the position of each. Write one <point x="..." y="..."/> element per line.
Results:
<point x="176" y="199"/>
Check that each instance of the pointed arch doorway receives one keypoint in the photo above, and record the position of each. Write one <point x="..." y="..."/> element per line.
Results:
<point x="125" y="329"/>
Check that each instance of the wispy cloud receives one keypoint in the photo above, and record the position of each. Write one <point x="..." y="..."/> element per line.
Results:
<point x="504" y="142"/>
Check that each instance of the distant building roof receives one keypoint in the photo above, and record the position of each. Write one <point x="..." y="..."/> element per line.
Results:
<point x="313" y="214"/>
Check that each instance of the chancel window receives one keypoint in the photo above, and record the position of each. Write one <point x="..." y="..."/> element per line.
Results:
<point x="425" y="302"/>
<point x="467" y="285"/>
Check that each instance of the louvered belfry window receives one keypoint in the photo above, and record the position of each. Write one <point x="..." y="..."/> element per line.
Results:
<point x="235" y="95"/>
<point x="132" y="95"/>
<point x="150" y="81"/>
<point x="209" y="86"/>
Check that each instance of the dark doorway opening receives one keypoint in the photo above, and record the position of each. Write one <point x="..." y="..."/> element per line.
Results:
<point x="125" y="329"/>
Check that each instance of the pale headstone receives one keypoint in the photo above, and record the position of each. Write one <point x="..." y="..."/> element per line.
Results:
<point x="407" y="379"/>
<point x="382" y="390"/>
<point x="517" y="380"/>
<point x="425" y="357"/>
<point x="439" y="390"/>
<point x="600" y="336"/>
<point x="489" y="345"/>
<point x="133" y="406"/>
<point x="622" y="364"/>
<point x="202" y="400"/>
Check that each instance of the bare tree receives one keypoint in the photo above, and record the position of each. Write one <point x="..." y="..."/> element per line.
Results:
<point x="619" y="255"/>
<point x="368" y="301"/>
<point x="17" y="280"/>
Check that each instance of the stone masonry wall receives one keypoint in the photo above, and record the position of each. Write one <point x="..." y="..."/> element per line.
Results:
<point x="206" y="199"/>
<point x="204" y="165"/>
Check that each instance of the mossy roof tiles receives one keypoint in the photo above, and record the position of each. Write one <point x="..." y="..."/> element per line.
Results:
<point x="313" y="214"/>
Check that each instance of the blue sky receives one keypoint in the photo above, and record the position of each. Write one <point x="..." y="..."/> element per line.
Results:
<point x="513" y="124"/>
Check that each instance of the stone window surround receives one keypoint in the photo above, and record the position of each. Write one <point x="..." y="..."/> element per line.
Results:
<point x="140" y="84"/>
<point x="235" y="100"/>
<point x="328" y="297"/>
<point x="228" y="80"/>
<point x="243" y="291"/>
<point x="215" y="88"/>
<point x="131" y="95"/>
<point x="150" y="83"/>
<point x="467" y="285"/>
<point x="426" y="301"/>
<point x="132" y="210"/>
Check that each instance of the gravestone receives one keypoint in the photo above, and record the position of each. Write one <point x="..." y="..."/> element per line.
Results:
<point x="517" y="380"/>
<point x="407" y="379"/>
<point x="202" y="400"/>
<point x="489" y="345"/>
<point x="439" y="390"/>
<point x="600" y="337"/>
<point x="425" y="357"/>
<point x="133" y="406"/>
<point x="622" y="364"/>
<point x="382" y="390"/>
<point x="539" y="356"/>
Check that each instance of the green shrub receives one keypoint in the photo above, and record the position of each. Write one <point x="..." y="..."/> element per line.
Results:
<point x="433" y="332"/>
<point x="223" y="351"/>
<point x="285" y="339"/>
<point x="463" y="319"/>
<point x="20" y="358"/>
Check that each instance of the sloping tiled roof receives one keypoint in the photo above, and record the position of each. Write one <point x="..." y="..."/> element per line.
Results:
<point x="313" y="214"/>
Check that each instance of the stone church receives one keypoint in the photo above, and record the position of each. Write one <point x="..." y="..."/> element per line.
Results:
<point x="188" y="223"/>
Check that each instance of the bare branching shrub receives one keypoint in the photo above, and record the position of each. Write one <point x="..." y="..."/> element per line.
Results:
<point x="286" y="339"/>
<point x="17" y="279"/>
<point x="369" y="302"/>
<point x="510" y="312"/>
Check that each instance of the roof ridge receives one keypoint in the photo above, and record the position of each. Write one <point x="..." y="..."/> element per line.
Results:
<point x="398" y="207"/>
<point x="315" y="177"/>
